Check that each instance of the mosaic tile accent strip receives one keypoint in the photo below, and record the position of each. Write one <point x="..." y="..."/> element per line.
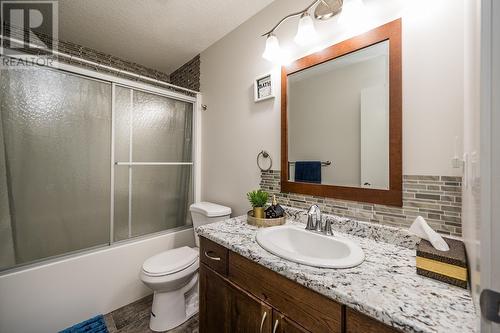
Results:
<point x="436" y="198"/>
<point x="188" y="75"/>
<point x="108" y="60"/>
<point x="102" y="58"/>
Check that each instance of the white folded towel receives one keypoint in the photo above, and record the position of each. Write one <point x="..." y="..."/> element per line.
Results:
<point x="421" y="229"/>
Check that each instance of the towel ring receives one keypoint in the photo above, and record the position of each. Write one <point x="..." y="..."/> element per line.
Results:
<point x="264" y="154"/>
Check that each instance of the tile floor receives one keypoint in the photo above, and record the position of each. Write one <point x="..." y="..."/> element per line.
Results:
<point x="134" y="318"/>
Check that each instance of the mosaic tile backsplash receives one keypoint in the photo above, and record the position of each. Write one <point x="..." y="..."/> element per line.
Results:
<point x="436" y="198"/>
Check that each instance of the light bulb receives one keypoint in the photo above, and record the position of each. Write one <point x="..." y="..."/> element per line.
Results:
<point x="272" y="51"/>
<point x="306" y="34"/>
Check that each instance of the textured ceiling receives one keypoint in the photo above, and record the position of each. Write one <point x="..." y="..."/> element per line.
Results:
<point x="161" y="34"/>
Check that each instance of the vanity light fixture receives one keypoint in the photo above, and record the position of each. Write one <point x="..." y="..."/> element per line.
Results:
<point x="324" y="10"/>
<point x="273" y="50"/>
<point x="306" y="33"/>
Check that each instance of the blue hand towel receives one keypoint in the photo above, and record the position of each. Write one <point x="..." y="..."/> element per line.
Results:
<point x="308" y="171"/>
<point x="92" y="325"/>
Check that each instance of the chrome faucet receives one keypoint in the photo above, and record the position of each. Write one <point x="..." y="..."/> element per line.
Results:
<point x="314" y="219"/>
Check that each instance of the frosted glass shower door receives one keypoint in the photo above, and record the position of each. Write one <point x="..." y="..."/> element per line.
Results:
<point x="56" y="129"/>
<point x="153" y="154"/>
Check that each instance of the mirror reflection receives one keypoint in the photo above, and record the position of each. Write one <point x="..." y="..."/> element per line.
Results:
<point x="338" y="121"/>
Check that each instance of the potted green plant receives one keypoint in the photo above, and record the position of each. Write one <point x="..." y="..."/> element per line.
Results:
<point x="258" y="199"/>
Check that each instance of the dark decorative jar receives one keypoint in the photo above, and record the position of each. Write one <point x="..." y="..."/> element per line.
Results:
<point x="275" y="210"/>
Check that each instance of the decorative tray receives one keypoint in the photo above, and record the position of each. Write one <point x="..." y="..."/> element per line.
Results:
<point x="263" y="223"/>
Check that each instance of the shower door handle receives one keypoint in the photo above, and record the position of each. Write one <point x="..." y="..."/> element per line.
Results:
<point x="211" y="257"/>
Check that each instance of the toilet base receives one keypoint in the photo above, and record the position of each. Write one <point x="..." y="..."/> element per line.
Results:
<point x="171" y="309"/>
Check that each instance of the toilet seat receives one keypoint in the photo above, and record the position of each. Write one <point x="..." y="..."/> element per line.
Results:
<point x="173" y="274"/>
<point x="170" y="262"/>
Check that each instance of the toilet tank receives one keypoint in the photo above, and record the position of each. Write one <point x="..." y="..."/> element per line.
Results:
<point x="207" y="212"/>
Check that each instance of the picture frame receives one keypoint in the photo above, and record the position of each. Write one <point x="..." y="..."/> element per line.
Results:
<point x="263" y="87"/>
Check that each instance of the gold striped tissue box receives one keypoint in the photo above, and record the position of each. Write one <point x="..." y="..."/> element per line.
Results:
<point x="446" y="266"/>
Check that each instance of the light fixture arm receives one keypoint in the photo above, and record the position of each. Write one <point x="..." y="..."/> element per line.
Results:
<point x="291" y="15"/>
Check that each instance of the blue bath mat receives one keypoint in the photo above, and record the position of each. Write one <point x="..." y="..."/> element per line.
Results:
<point x="93" y="325"/>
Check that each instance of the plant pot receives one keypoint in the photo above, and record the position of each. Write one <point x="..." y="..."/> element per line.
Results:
<point x="258" y="212"/>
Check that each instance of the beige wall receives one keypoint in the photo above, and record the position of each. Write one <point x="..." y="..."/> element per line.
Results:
<point x="235" y="128"/>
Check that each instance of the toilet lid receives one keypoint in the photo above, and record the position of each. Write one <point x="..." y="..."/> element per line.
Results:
<point x="171" y="261"/>
<point x="210" y="209"/>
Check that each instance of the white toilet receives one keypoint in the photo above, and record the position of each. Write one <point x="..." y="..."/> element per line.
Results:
<point x="173" y="274"/>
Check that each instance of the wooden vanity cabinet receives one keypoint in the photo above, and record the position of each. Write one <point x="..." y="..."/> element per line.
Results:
<point x="283" y="324"/>
<point x="226" y="308"/>
<point x="238" y="295"/>
<point x="214" y="256"/>
<point x="215" y="302"/>
<point x="357" y="322"/>
<point x="248" y="314"/>
<point x="309" y="309"/>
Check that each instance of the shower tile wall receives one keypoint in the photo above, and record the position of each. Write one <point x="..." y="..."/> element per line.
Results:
<point x="93" y="55"/>
<point x="436" y="198"/>
<point x="108" y="60"/>
<point x="188" y="75"/>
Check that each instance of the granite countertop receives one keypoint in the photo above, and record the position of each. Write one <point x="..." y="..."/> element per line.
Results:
<point x="385" y="286"/>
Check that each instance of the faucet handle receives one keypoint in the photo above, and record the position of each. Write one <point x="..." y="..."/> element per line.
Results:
<point x="319" y="223"/>
<point x="328" y="227"/>
<point x="310" y="222"/>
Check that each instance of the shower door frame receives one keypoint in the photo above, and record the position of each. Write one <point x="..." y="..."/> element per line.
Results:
<point x="195" y="163"/>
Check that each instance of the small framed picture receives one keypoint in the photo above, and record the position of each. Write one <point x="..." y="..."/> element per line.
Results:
<point x="263" y="87"/>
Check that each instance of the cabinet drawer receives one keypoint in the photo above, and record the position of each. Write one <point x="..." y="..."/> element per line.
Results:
<point x="359" y="323"/>
<point x="312" y="311"/>
<point x="213" y="255"/>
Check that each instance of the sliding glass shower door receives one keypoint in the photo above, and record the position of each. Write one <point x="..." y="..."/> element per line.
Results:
<point x="153" y="169"/>
<point x="84" y="163"/>
<point x="56" y="129"/>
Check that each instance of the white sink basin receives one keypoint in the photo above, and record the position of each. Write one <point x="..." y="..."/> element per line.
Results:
<point x="302" y="246"/>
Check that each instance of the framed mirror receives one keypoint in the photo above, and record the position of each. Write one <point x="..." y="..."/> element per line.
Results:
<point x="341" y="120"/>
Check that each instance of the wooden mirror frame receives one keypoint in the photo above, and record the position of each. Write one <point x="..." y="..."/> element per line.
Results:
<point x="394" y="195"/>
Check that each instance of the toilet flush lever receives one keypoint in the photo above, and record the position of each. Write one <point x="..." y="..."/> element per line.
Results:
<point x="211" y="257"/>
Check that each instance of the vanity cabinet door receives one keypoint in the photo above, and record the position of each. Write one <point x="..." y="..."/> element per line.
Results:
<point x="283" y="324"/>
<point x="225" y="308"/>
<point x="309" y="309"/>
<point x="249" y="314"/>
<point x="215" y="302"/>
